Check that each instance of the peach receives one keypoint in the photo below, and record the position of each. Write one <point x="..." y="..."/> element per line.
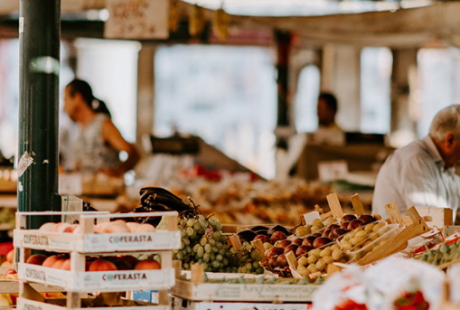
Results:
<point x="50" y="260"/>
<point x="6" y="264"/>
<point x="132" y="226"/>
<point x="115" y="228"/>
<point x="145" y="228"/>
<point x="61" y="227"/>
<point x="10" y="256"/>
<point x="147" y="265"/>
<point x="102" y="265"/>
<point x="66" y="265"/>
<point x="36" y="259"/>
<point x="47" y="227"/>
<point x="59" y="263"/>
<point x="9" y="271"/>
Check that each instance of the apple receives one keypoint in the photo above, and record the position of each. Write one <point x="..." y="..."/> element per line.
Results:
<point x="149" y="264"/>
<point x="50" y="260"/>
<point x="263" y="238"/>
<point x="354" y="224"/>
<point x="309" y="241"/>
<point x="344" y="225"/>
<point x="281" y="261"/>
<point x="277" y="235"/>
<point x="272" y="261"/>
<point x="290" y="248"/>
<point x="274" y="251"/>
<point x="347" y="218"/>
<point x="337" y="233"/>
<point x="297" y="241"/>
<point x="366" y="218"/>
<point x="302" y="250"/>
<point x="283" y="243"/>
<point x="102" y="265"/>
<point x="319" y="242"/>
<point x="36" y="259"/>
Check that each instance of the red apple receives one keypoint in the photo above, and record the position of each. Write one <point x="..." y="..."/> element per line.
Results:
<point x="309" y="241"/>
<point x="290" y="248"/>
<point x="348" y="218"/>
<point x="263" y="238"/>
<point x="319" y="242"/>
<point x="274" y="251"/>
<point x="272" y="261"/>
<point x="281" y="261"/>
<point x="366" y="218"/>
<point x="101" y="265"/>
<point x="302" y="250"/>
<point x="354" y="224"/>
<point x="277" y="235"/>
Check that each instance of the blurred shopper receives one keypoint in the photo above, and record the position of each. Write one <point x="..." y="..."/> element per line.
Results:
<point x="99" y="142"/>
<point x="422" y="174"/>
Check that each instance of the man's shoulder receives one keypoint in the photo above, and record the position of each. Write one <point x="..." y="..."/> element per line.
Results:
<point x="412" y="152"/>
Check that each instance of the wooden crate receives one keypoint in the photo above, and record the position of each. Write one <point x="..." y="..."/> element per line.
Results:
<point x="89" y="242"/>
<point x="184" y="304"/>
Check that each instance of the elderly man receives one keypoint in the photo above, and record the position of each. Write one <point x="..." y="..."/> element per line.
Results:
<point x="422" y="173"/>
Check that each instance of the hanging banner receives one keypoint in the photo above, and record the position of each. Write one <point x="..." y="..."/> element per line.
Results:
<point x="137" y="19"/>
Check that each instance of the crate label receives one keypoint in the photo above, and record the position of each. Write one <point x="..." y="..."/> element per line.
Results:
<point x="123" y="242"/>
<point x="36" y="240"/>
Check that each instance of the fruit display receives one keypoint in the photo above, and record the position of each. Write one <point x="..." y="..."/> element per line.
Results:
<point x="266" y="280"/>
<point x="447" y="252"/>
<point x="362" y="236"/>
<point x="319" y="259"/>
<point x="203" y="242"/>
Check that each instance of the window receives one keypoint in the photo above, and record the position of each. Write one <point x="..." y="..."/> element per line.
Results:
<point x="439" y="78"/>
<point x="225" y="95"/>
<point x="306" y="100"/>
<point x="376" y="67"/>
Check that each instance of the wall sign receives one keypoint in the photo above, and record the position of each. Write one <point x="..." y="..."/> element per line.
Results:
<point x="137" y="19"/>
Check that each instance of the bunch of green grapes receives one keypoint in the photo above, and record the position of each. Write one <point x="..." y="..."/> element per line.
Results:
<point x="203" y="243"/>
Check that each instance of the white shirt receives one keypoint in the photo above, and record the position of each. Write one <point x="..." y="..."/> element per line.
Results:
<point x="415" y="175"/>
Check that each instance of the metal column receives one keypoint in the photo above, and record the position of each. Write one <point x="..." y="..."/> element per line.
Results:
<point x="39" y="35"/>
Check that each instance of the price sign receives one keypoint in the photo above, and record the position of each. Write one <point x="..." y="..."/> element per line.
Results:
<point x="70" y="184"/>
<point x="332" y="170"/>
<point x="137" y="19"/>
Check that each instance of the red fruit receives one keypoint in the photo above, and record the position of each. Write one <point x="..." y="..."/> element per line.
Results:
<point x="366" y="218"/>
<point x="274" y="251"/>
<point x="297" y="241"/>
<point x="66" y="265"/>
<point x="319" y="242"/>
<point x="262" y="238"/>
<point x="277" y="235"/>
<point x="283" y="243"/>
<point x="348" y="218"/>
<point x="147" y="265"/>
<point x="281" y="261"/>
<point x="36" y="259"/>
<point x="129" y="260"/>
<point x="302" y="250"/>
<point x="337" y="233"/>
<point x="290" y="248"/>
<point x="101" y="265"/>
<point x="50" y="260"/>
<point x="354" y="224"/>
<point x="9" y="271"/>
<point x="59" y="263"/>
<point x="272" y="261"/>
<point x="344" y="225"/>
<point x="309" y="241"/>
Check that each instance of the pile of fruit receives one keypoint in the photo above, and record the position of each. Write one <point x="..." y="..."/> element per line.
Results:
<point x="115" y="227"/>
<point x="121" y="262"/>
<point x="447" y="252"/>
<point x="202" y="242"/>
<point x="319" y="260"/>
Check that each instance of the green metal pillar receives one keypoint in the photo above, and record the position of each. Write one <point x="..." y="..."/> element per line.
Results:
<point x="39" y="35"/>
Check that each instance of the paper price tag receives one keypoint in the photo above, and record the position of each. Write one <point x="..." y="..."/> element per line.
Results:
<point x="310" y="216"/>
<point x="332" y="170"/>
<point x="70" y="184"/>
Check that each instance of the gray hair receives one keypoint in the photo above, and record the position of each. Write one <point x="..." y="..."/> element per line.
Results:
<point x="445" y="121"/>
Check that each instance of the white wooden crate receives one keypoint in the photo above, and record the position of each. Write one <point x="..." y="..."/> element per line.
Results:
<point x="243" y="292"/>
<point x="27" y="304"/>
<point x="183" y="304"/>
<point x="89" y="242"/>
<point x="100" y="281"/>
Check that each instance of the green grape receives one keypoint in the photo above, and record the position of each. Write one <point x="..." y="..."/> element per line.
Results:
<point x="200" y="261"/>
<point x="212" y="242"/>
<point x="215" y="264"/>
<point x="248" y="266"/>
<point x="195" y="247"/>
<point x="222" y="251"/>
<point x="183" y="233"/>
<point x="175" y="251"/>
<point x="216" y="236"/>
<point x="200" y="231"/>
<point x="219" y="245"/>
<point x="196" y="225"/>
<point x="256" y="256"/>
<point x="213" y="256"/>
<point x="190" y="222"/>
<point x="213" y="221"/>
<point x="183" y="222"/>
<point x="186" y="241"/>
<point x="255" y="265"/>
<point x="186" y="266"/>
<point x="190" y="231"/>
<point x="219" y="257"/>
<point x="215" y="249"/>
<point x="225" y="262"/>
<point x="182" y="245"/>
<point x="224" y="239"/>
<point x="208" y="248"/>
<point x="205" y="266"/>
<point x="206" y="257"/>
<point x="233" y="250"/>
<point x="243" y="270"/>
<point x="200" y="251"/>
<point x="204" y="241"/>
<point x="188" y="249"/>
<point x="202" y="221"/>
<point x="260" y="270"/>
<point x="179" y="256"/>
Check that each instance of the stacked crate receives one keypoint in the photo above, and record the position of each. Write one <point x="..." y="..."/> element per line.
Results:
<point x="78" y="283"/>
